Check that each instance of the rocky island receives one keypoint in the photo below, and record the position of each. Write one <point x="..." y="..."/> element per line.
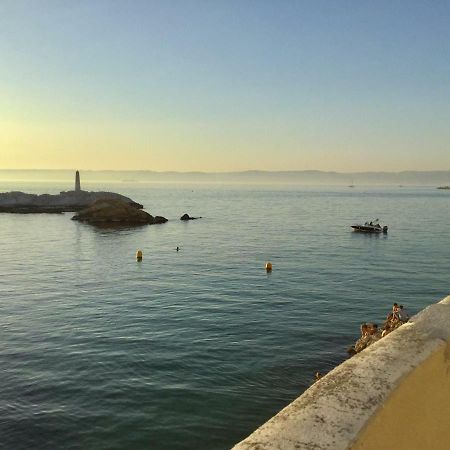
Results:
<point x="111" y="212"/>
<point x="76" y="200"/>
<point x="188" y="217"/>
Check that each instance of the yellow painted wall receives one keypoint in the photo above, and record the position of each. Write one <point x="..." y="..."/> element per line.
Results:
<point x="417" y="414"/>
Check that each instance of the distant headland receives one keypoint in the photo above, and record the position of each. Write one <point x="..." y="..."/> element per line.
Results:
<point x="432" y="178"/>
<point x="76" y="200"/>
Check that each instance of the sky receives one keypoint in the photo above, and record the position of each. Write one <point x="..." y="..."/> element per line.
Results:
<point x="212" y="85"/>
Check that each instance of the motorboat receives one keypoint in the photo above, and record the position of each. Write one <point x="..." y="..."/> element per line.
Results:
<point x="371" y="227"/>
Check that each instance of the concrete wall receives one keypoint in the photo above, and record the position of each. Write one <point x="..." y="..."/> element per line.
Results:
<point x="394" y="394"/>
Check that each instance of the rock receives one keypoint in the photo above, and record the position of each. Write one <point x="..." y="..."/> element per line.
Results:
<point x="20" y="202"/>
<point x="188" y="217"/>
<point x="365" y="341"/>
<point x="361" y="343"/>
<point x="109" y="211"/>
<point x="159" y="219"/>
<point x="390" y="326"/>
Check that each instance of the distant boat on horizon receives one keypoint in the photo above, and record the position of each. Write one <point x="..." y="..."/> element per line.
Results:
<point x="443" y="187"/>
<point x="351" y="185"/>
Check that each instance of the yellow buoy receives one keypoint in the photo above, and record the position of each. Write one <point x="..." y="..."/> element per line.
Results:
<point x="139" y="255"/>
<point x="268" y="266"/>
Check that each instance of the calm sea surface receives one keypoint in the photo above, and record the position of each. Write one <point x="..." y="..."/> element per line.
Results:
<point x="195" y="349"/>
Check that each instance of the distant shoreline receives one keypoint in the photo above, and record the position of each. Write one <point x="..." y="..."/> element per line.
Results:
<point x="306" y="177"/>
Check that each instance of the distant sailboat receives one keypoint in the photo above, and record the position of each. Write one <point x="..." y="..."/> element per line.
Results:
<point x="351" y="185"/>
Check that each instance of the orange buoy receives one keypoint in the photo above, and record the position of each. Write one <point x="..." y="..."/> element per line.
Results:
<point x="268" y="267"/>
<point x="139" y="255"/>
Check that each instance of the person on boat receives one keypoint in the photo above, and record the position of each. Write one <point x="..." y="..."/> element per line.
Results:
<point x="370" y="223"/>
<point x="403" y="314"/>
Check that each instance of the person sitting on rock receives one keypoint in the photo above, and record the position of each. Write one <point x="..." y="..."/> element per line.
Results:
<point x="395" y="310"/>
<point x="364" y="328"/>
<point x="403" y="314"/>
<point x="372" y="329"/>
<point x="392" y="321"/>
<point x="392" y="316"/>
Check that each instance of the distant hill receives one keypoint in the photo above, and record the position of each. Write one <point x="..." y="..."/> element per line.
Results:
<point x="308" y="177"/>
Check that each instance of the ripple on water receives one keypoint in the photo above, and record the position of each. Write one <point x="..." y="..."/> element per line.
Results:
<point x="195" y="349"/>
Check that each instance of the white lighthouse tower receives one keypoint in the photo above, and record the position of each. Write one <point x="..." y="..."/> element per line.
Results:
<point x="77" y="182"/>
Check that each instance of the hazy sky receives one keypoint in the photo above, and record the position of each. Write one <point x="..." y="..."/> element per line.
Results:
<point x="225" y="85"/>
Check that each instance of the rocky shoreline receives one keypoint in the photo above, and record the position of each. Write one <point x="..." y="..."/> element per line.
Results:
<point x="96" y="208"/>
<point x="370" y="333"/>
<point x="68" y="201"/>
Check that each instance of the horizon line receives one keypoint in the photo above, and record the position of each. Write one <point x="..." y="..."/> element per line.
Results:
<point x="231" y="172"/>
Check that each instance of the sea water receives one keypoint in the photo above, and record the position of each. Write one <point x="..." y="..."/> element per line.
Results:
<point x="195" y="349"/>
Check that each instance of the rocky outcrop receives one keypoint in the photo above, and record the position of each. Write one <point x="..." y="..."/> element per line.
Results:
<point x="20" y="202"/>
<point x="366" y="341"/>
<point x="370" y="334"/>
<point x="188" y="217"/>
<point x="116" y="212"/>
